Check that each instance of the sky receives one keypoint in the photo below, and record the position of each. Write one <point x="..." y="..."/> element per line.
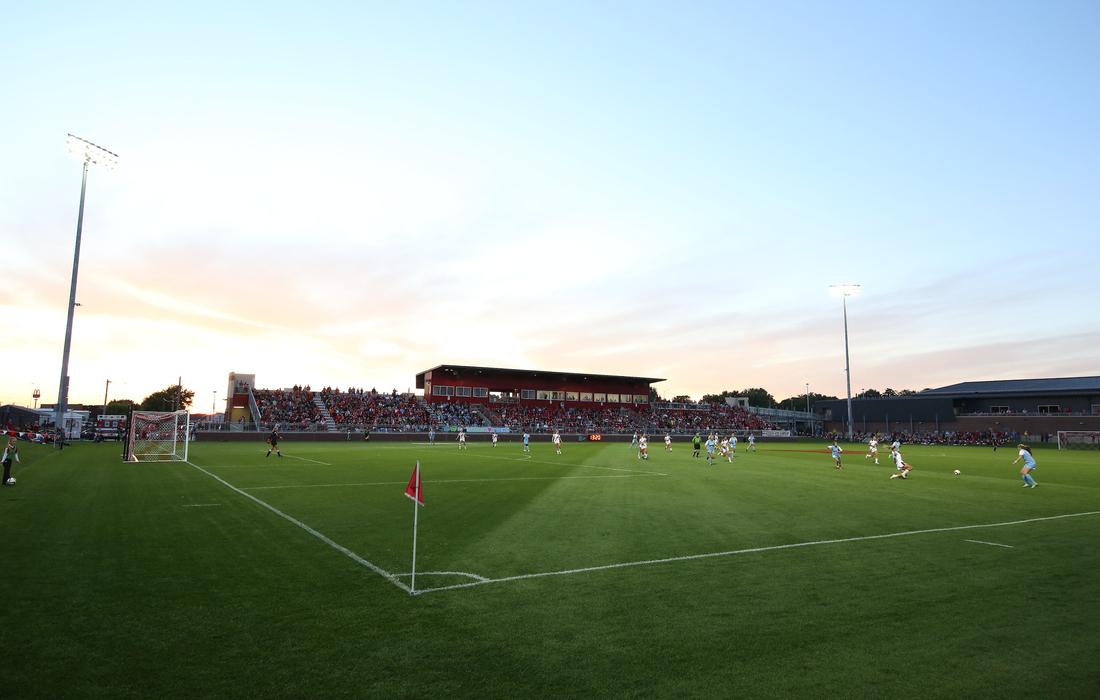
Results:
<point x="347" y="194"/>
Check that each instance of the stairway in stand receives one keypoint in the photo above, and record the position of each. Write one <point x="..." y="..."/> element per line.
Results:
<point x="488" y="415"/>
<point x="330" y="423"/>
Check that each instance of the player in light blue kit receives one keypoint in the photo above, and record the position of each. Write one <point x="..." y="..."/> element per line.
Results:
<point x="1029" y="465"/>
<point x="526" y="441"/>
<point x="712" y="444"/>
<point x="836" y="449"/>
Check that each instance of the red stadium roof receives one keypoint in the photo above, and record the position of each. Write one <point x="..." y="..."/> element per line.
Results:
<point x="466" y="370"/>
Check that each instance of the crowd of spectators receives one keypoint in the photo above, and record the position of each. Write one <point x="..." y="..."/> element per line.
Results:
<point x="358" y="409"/>
<point x="290" y="409"/>
<point x="33" y="432"/>
<point x="555" y="416"/>
<point x="368" y="409"/>
<point x="453" y="415"/>
<point x="707" y="417"/>
<point x="989" y="438"/>
<point x="608" y="419"/>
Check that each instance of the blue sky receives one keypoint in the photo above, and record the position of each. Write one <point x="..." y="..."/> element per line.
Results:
<point x="348" y="193"/>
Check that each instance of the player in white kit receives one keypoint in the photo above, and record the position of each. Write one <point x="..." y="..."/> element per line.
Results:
<point x="903" y="467"/>
<point x="462" y="439"/>
<point x="752" y="443"/>
<point x="494" y="439"/>
<point x="724" y="450"/>
<point x="556" y="439"/>
<point x="643" y="447"/>
<point x="872" y="449"/>
<point x="668" y="443"/>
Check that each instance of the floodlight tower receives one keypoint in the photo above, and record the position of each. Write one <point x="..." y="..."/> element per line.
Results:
<point x="844" y="291"/>
<point x="91" y="154"/>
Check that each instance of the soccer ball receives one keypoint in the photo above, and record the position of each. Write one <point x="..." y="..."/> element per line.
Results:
<point x="11" y="481"/>
<point x="957" y="472"/>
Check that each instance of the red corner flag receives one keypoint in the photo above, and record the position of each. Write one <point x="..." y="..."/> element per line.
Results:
<point x="415" y="489"/>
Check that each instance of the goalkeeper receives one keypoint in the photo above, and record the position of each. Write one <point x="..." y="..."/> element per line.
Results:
<point x="273" y="441"/>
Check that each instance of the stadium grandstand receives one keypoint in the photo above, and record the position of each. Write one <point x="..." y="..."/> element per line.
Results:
<point x="977" y="411"/>
<point x="484" y="400"/>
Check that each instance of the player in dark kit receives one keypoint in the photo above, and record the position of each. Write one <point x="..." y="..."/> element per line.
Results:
<point x="273" y="440"/>
<point x="11" y="452"/>
<point x="696" y="443"/>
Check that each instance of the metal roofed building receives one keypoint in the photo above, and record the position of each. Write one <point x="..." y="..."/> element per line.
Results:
<point x="1038" y="405"/>
<point x="532" y="387"/>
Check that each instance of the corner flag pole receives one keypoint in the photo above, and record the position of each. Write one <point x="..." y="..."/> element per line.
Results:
<point x="416" y="518"/>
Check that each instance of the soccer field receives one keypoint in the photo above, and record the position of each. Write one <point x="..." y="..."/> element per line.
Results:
<point x="587" y="574"/>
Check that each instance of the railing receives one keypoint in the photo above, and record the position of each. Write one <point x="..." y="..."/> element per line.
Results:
<point x="253" y="407"/>
<point x="784" y="413"/>
<point x="1030" y="414"/>
<point x="669" y="405"/>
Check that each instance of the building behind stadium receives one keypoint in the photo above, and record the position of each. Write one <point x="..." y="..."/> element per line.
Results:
<point x="1035" y="407"/>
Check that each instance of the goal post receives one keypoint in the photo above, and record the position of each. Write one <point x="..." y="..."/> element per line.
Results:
<point x="158" y="436"/>
<point x="1079" y="439"/>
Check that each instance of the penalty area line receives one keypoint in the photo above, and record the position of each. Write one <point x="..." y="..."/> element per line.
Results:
<point x="321" y="536"/>
<point x="751" y="550"/>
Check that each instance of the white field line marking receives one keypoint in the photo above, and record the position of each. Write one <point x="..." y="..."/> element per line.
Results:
<point x="324" y="538"/>
<point x="572" y="464"/>
<point x="261" y="465"/>
<point x="307" y="459"/>
<point x="993" y="544"/>
<point x="443" y="481"/>
<point x="751" y="550"/>
<point x="446" y="573"/>
<point x="199" y="505"/>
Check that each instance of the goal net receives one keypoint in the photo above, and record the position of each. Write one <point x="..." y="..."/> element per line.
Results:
<point x="1078" y="439"/>
<point x="157" y="436"/>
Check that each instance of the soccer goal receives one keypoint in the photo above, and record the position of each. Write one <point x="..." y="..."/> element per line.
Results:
<point x="1078" y="439"/>
<point x="157" y="436"/>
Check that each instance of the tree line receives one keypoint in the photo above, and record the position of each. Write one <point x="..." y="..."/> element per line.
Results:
<point x="762" y="398"/>
<point x="172" y="398"/>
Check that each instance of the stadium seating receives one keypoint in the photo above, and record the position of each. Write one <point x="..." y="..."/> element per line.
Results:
<point x="291" y="409"/>
<point x="359" y="409"/>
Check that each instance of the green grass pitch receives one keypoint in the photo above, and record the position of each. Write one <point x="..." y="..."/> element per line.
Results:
<point x="588" y="574"/>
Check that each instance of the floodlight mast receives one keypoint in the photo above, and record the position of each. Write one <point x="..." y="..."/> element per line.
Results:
<point x="845" y="291"/>
<point x="91" y="154"/>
